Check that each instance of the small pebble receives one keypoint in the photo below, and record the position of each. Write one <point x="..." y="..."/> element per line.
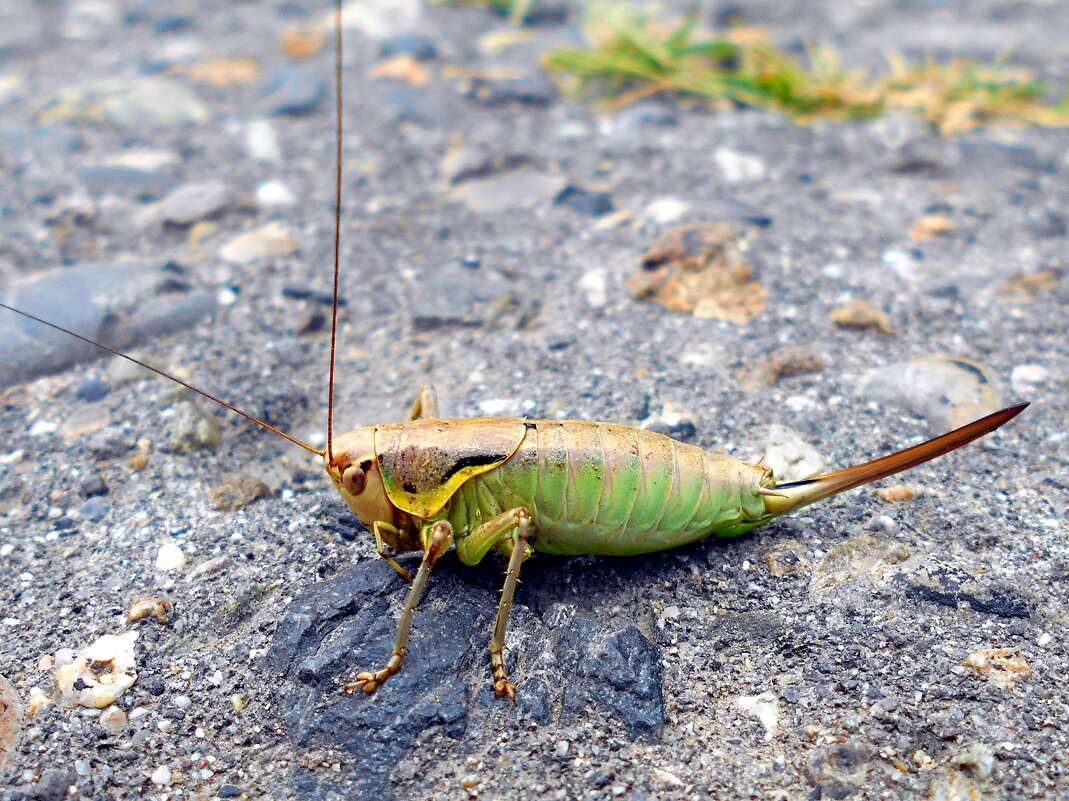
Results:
<point x="95" y="509"/>
<point x="899" y="492"/>
<point x="113" y="720"/>
<point x="142" y="606"/>
<point x="206" y="568"/>
<point x="274" y="195"/>
<point x="737" y="167"/>
<point x="594" y="287"/>
<point x="192" y="202"/>
<point x="417" y="46"/>
<point x="665" y="210"/>
<point x="170" y="557"/>
<point x="470" y="781"/>
<point x="263" y="243"/>
<point x="141" y="736"/>
<point x="295" y="91"/>
<point x="183" y="701"/>
<point x="261" y="142"/>
<point x="93" y="389"/>
<point x="237" y="493"/>
<point x="38" y="701"/>
<point x="1026" y="377"/>
<point x="161" y="777"/>
<point x="92" y="485"/>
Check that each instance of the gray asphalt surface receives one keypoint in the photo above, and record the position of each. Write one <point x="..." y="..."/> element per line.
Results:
<point x="845" y="651"/>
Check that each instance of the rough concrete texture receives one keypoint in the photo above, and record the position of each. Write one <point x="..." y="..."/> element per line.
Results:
<point x="863" y="648"/>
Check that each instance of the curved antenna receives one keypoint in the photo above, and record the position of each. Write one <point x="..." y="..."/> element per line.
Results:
<point x="168" y="376"/>
<point x="337" y="228"/>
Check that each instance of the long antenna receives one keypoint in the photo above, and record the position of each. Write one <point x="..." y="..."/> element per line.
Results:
<point x="337" y="228"/>
<point x="166" y="375"/>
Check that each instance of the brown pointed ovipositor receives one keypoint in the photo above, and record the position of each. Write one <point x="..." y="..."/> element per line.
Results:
<point x="520" y="486"/>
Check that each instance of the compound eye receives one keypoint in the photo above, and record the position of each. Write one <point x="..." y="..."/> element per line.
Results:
<point x="353" y="479"/>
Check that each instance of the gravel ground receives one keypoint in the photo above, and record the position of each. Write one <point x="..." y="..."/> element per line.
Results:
<point x="167" y="188"/>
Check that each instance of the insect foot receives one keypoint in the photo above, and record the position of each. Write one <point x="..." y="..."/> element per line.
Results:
<point x="437" y="540"/>
<point x="369" y="682"/>
<point x="502" y="686"/>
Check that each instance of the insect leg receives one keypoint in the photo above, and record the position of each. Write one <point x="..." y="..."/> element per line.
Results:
<point x="436" y="540"/>
<point x="508" y="531"/>
<point x="426" y="405"/>
<point x="380" y="547"/>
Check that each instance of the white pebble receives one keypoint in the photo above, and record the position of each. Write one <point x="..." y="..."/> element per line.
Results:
<point x="737" y="167"/>
<point x="183" y="701"/>
<point x="886" y="523"/>
<point x="274" y="194"/>
<point x="161" y="777"/>
<point x="261" y="141"/>
<point x="1025" y="377"/>
<point x="562" y="748"/>
<point x="665" y="210"/>
<point x="170" y="557"/>
<point x="42" y="428"/>
<point x="1044" y="639"/>
<point x="764" y="707"/>
<point x="113" y="720"/>
<point x="595" y="288"/>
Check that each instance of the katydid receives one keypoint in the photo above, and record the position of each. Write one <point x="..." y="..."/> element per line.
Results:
<point x="520" y="486"/>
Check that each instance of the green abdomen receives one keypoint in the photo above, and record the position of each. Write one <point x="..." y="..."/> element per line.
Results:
<point x="602" y="488"/>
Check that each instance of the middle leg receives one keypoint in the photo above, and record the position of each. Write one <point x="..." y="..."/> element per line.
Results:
<point x="509" y="532"/>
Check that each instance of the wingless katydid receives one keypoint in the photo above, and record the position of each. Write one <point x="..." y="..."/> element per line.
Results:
<point x="520" y="486"/>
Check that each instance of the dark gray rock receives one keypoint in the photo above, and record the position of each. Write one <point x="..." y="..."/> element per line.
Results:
<point x="53" y="785"/>
<point x="116" y="305"/>
<point x="338" y="627"/>
<point x="616" y="671"/>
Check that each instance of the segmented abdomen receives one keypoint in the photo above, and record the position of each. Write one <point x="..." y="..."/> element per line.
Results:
<point x="603" y="488"/>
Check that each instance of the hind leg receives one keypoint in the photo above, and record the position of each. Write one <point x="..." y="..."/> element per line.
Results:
<point x="426" y="404"/>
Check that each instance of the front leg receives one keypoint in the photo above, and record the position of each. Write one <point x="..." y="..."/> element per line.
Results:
<point x="509" y="532"/>
<point x="436" y="540"/>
